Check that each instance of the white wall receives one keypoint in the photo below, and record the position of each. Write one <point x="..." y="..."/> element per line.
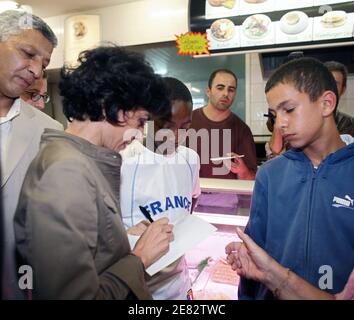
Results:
<point x="134" y="23"/>
<point x="347" y="101"/>
<point x="255" y="97"/>
<point x="257" y="104"/>
<point x="153" y="21"/>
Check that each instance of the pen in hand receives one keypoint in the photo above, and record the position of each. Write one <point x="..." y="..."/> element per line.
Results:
<point x="146" y="213"/>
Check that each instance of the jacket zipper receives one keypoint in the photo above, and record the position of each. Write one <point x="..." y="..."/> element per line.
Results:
<point x="307" y="243"/>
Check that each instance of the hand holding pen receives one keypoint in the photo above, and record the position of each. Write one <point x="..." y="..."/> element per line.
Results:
<point x="139" y="228"/>
<point x="146" y="213"/>
<point x="155" y="241"/>
<point x="238" y="166"/>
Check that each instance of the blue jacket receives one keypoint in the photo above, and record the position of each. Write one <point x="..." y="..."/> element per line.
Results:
<point x="304" y="217"/>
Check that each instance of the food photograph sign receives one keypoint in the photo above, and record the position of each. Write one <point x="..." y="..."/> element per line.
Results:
<point x="241" y="25"/>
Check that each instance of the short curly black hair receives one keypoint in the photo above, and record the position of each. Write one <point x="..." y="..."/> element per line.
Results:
<point x="110" y="78"/>
<point x="177" y="90"/>
<point x="215" y="72"/>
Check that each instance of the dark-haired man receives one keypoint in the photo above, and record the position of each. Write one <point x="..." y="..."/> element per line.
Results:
<point x="224" y="132"/>
<point x="345" y="123"/>
<point x="25" y="52"/>
<point x="302" y="205"/>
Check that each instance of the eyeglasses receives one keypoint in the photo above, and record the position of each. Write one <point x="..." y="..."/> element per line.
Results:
<point x="35" y="96"/>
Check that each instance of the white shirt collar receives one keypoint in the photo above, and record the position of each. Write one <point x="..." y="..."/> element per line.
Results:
<point x="13" y="112"/>
<point x="347" y="139"/>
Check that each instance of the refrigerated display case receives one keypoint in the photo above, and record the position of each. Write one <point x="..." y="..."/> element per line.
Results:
<point x="226" y="205"/>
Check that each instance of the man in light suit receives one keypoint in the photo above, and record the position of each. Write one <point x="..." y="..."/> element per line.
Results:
<point x="26" y="45"/>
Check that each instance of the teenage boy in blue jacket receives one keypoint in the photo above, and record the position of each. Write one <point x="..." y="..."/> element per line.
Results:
<point x="302" y="208"/>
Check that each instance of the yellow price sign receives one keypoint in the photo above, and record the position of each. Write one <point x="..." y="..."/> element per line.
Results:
<point x="192" y="43"/>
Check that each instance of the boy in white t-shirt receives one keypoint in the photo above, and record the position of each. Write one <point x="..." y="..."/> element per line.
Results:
<point x="162" y="177"/>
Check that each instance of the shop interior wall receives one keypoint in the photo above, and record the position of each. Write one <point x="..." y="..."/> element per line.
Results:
<point x="195" y="72"/>
<point x="128" y="24"/>
<point x="145" y="28"/>
<point x="257" y="103"/>
<point x="165" y="61"/>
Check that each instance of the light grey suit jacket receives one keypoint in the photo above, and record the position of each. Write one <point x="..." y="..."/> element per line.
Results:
<point x="24" y="139"/>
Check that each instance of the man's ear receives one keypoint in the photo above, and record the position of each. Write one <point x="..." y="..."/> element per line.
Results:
<point x="207" y="92"/>
<point x="329" y="101"/>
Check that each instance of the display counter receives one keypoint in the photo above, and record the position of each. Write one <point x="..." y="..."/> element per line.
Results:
<point x="225" y="202"/>
<point x="226" y="205"/>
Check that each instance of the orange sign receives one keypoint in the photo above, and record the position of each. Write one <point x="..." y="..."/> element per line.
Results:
<point x="192" y="43"/>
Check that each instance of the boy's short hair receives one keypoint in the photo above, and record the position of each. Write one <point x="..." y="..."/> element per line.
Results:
<point x="215" y="72"/>
<point x="340" y="67"/>
<point x="308" y="75"/>
<point x="177" y="90"/>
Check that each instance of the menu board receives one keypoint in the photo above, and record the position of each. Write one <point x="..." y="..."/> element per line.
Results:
<point x="240" y="25"/>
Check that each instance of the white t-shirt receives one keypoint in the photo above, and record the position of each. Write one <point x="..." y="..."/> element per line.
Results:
<point x="165" y="186"/>
<point x="5" y="130"/>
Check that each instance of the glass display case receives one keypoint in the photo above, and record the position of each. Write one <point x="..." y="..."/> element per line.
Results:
<point x="226" y="205"/>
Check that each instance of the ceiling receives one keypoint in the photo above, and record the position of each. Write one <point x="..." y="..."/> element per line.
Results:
<point x="45" y="8"/>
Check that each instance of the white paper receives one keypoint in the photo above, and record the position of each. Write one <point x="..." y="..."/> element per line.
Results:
<point x="188" y="233"/>
<point x="227" y="157"/>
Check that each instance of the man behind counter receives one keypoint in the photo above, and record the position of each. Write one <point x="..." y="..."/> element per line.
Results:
<point x="345" y="123"/>
<point x="220" y="132"/>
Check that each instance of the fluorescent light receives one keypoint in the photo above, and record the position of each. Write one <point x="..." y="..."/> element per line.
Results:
<point x="8" y="5"/>
<point x="26" y="8"/>
<point x="195" y="90"/>
<point x="199" y="101"/>
<point x="162" y="71"/>
<point x="12" y="5"/>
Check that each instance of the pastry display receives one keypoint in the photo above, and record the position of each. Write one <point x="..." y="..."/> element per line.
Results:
<point x="292" y="18"/>
<point x="256" y="26"/>
<point x="294" y="22"/>
<point x="216" y="3"/>
<point x="229" y="4"/>
<point x="209" y="295"/>
<point x="223" y="273"/>
<point x="222" y="29"/>
<point x="334" y="19"/>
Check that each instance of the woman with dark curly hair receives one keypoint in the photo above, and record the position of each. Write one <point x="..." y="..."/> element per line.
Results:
<point x="68" y="222"/>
